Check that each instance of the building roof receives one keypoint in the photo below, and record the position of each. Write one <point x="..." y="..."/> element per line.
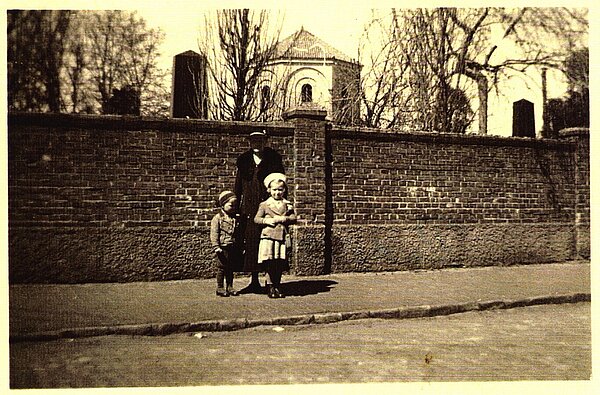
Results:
<point x="188" y="53"/>
<point x="305" y="45"/>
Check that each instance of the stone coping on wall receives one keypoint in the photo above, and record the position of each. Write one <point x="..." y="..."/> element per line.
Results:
<point x="279" y="128"/>
<point x="123" y="122"/>
<point x="574" y="132"/>
<point x="308" y="111"/>
<point x="338" y="132"/>
<point x="341" y="223"/>
<point x="303" y="223"/>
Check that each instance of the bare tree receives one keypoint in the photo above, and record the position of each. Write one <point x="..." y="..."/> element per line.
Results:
<point x="35" y="58"/>
<point x="103" y="33"/>
<point x="238" y="45"/>
<point x="123" y="54"/>
<point x="533" y="30"/>
<point x="408" y="82"/>
<point x="141" y="47"/>
<point x="445" y="52"/>
<point x="71" y="60"/>
<point x="75" y="73"/>
<point x="156" y="98"/>
<point x="573" y="110"/>
<point x="25" y="91"/>
<point x="426" y="32"/>
<point x="55" y="30"/>
<point x="449" y="110"/>
<point x="384" y="82"/>
<point x="77" y="87"/>
<point x="198" y="102"/>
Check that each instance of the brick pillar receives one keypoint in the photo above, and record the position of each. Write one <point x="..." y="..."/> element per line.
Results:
<point x="581" y="136"/>
<point x="308" y="189"/>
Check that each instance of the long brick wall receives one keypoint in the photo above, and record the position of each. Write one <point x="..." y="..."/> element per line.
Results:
<point x="411" y="178"/>
<point x="403" y="201"/>
<point x="111" y="199"/>
<point x="95" y="199"/>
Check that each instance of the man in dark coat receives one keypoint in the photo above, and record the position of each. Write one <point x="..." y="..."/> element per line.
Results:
<point x="252" y="168"/>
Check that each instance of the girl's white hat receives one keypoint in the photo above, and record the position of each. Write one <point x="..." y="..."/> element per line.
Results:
<point x="274" y="177"/>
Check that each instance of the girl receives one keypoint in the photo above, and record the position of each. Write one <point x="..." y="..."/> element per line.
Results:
<point x="274" y="214"/>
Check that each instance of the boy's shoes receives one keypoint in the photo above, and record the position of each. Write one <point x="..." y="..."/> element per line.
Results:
<point x="222" y="292"/>
<point x="273" y="292"/>
<point x="277" y="293"/>
<point x="231" y="291"/>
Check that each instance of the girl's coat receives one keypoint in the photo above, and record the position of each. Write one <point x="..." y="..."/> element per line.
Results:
<point x="271" y="208"/>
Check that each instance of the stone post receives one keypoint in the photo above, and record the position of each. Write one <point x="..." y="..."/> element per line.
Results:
<point x="189" y="87"/>
<point x="308" y="189"/>
<point x="523" y="119"/>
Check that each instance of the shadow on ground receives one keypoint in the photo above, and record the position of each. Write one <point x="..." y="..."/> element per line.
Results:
<point x="306" y="287"/>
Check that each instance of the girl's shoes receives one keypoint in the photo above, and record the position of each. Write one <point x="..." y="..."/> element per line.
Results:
<point x="222" y="292"/>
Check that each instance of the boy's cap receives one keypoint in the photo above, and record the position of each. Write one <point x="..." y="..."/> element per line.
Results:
<point x="225" y="196"/>
<point x="262" y="133"/>
<point x="274" y="177"/>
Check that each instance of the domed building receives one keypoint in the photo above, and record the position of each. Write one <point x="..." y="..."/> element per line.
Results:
<point x="305" y="69"/>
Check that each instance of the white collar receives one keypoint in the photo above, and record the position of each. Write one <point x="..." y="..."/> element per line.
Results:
<point x="272" y="201"/>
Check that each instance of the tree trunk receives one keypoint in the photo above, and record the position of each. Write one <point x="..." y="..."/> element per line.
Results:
<point x="53" y="91"/>
<point x="482" y="91"/>
<point x="57" y="24"/>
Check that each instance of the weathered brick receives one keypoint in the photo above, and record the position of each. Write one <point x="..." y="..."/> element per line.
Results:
<point x="96" y="174"/>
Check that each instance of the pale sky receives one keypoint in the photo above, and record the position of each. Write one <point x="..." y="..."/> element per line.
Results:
<point x="181" y="25"/>
<point x="337" y="22"/>
<point x="340" y="26"/>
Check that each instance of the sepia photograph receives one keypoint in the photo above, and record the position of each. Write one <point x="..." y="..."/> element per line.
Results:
<point x="341" y="197"/>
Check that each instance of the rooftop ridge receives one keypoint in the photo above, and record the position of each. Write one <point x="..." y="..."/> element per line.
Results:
<point x="302" y="44"/>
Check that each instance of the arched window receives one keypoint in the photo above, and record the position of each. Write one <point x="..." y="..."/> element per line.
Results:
<point x="265" y="98"/>
<point x="306" y="93"/>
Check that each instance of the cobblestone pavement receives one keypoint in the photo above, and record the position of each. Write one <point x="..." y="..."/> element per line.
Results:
<point x="551" y="342"/>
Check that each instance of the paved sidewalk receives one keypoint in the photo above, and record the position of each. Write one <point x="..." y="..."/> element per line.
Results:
<point x="38" y="312"/>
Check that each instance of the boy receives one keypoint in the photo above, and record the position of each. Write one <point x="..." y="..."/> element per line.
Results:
<point x="223" y="232"/>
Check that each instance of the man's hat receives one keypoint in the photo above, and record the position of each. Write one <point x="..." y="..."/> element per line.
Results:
<point x="274" y="177"/>
<point x="262" y="133"/>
